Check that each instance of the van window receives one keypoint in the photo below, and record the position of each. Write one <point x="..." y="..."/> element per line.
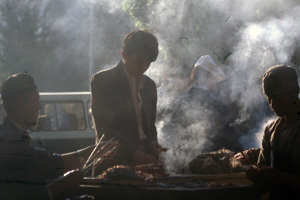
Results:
<point x="61" y="116"/>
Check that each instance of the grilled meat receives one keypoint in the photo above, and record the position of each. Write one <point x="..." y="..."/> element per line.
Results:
<point x="147" y="172"/>
<point x="217" y="162"/>
<point x="251" y="154"/>
<point x="119" y="172"/>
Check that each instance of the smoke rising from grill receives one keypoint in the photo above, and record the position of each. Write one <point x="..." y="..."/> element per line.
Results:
<point x="255" y="35"/>
<point x="243" y="38"/>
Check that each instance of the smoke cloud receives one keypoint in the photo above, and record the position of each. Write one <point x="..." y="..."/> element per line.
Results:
<point x="244" y="38"/>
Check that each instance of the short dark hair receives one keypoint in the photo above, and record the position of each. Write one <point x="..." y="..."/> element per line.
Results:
<point x="15" y="88"/>
<point x="142" y="43"/>
<point x="280" y="79"/>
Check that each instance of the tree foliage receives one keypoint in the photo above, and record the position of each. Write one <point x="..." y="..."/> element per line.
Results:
<point x="52" y="39"/>
<point x="25" y="37"/>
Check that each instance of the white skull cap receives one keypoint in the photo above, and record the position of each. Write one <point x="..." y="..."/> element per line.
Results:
<point x="206" y="63"/>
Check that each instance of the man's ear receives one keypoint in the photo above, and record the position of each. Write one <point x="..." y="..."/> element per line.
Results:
<point x="124" y="55"/>
<point x="22" y="104"/>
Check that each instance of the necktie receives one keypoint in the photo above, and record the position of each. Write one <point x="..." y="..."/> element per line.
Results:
<point x="138" y="99"/>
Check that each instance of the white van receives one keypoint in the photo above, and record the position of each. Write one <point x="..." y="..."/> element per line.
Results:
<point x="64" y="123"/>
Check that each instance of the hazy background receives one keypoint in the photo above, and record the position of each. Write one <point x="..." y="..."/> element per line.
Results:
<point x="61" y="43"/>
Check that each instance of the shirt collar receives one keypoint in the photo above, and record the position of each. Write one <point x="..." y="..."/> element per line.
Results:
<point x="19" y="134"/>
<point x="18" y="125"/>
<point x="140" y="80"/>
<point x="126" y="73"/>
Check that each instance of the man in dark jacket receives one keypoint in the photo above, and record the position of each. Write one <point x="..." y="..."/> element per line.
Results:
<point x="124" y="101"/>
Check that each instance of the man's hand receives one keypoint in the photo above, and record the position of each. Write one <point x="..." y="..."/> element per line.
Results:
<point x="143" y="158"/>
<point x="155" y="149"/>
<point x="265" y="175"/>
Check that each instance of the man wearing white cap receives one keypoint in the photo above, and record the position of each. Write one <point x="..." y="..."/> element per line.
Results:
<point x="207" y="74"/>
<point x="198" y="114"/>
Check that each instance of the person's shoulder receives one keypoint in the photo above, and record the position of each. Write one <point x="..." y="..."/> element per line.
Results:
<point x="106" y="76"/>
<point x="272" y="122"/>
<point x="195" y="94"/>
<point x="5" y="132"/>
<point x="2" y="132"/>
<point x="149" y="80"/>
<point x="104" y="72"/>
<point x="271" y="125"/>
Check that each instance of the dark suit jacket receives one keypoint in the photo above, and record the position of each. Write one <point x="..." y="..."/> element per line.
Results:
<point x="114" y="113"/>
<point x="24" y="170"/>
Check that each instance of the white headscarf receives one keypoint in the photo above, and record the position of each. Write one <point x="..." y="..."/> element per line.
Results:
<point x="206" y="63"/>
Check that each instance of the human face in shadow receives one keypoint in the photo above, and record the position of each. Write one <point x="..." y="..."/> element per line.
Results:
<point x="136" y="65"/>
<point x="31" y="107"/>
<point x="285" y="104"/>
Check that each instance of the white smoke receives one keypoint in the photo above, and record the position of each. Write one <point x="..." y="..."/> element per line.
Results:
<point x="254" y="140"/>
<point x="257" y="35"/>
<point x="93" y="31"/>
<point x="244" y="38"/>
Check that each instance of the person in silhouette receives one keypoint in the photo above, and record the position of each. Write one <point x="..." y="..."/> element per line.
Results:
<point x="27" y="172"/>
<point x="124" y="101"/>
<point x="279" y="158"/>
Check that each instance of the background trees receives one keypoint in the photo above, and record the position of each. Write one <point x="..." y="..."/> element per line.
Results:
<point x="60" y="43"/>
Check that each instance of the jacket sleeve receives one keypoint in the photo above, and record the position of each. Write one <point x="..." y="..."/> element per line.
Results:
<point x="97" y="105"/>
<point x="153" y="131"/>
<point x="265" y="151"/>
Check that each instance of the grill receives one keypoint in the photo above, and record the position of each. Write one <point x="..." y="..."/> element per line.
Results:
<point x="222" y="186"/>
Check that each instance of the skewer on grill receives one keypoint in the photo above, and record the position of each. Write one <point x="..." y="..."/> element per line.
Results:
<point x="108" y="148"/>
<point x="89" y="158"/>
